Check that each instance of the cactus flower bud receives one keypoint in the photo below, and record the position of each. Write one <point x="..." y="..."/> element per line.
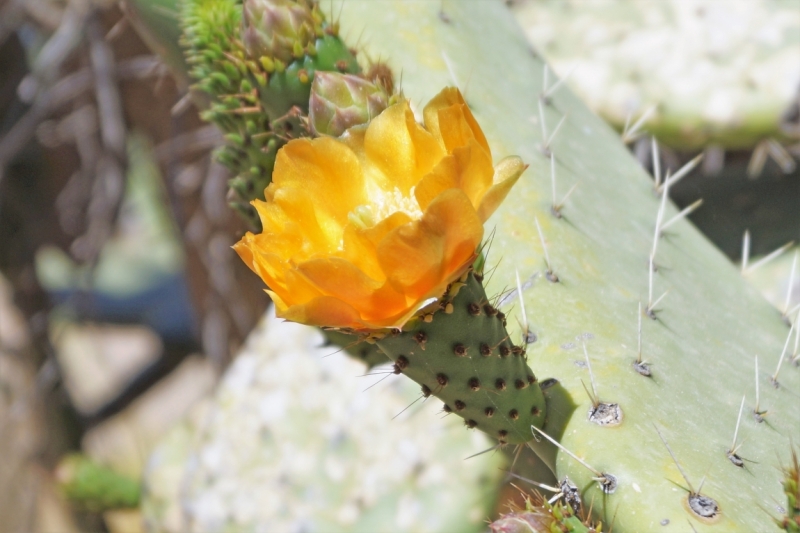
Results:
<point x="277" y="28"/>
<point x="340" y="101"/>
<point x="523" y="522"/>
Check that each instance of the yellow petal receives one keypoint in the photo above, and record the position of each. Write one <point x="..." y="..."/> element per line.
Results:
<point x="422" y="257"/>
<point x="359" y="244"/>
<point x="469" y="168"/>
<point x="340" y="279"/>
<point x="449" y="119"/>
<point x="325" y="172"/>
<point x="506" y="174"/>
<point x="323" y="311"/>
<point x="243" y="249"/>
<point x="398" y="151"/>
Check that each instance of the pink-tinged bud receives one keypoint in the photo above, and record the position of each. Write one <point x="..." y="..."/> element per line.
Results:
<point x="341" y="101"/>
<point x="277" y="28"/>
<point x="522" y="522"/>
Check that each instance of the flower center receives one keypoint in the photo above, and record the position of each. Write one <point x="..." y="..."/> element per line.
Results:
<point x="382" y="204"/>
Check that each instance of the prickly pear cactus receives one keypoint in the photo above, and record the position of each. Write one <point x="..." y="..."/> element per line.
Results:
<point x="660" y="425"/>
<point x="672" y="427"/>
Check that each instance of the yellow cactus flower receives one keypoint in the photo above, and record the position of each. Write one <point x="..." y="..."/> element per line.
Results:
<point x="361" y="230"/>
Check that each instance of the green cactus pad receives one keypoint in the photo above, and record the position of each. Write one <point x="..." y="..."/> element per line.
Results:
<point x="707" y="330"/>
<point x="462" y="354"/>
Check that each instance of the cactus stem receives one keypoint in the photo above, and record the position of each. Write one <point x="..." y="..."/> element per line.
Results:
<point x="634" y="132"/>
<point x="790" y="289"/>
<point x="682" y="172"/>
<point x="688" y="210"/>
<point x="774" y="378"/>
<point x="731" y="453"/>
<point x="606" y="481"/>
<point x="796" y="351"/>
<point x="550" y="273"/>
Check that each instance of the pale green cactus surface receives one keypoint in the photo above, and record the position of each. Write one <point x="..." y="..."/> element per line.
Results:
<point x="292" y="441"/>
<point x="708" y="329"/>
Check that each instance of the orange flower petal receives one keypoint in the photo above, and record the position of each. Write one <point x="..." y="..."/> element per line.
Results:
<point x="323" y="311"/>
<point x="336" y="277"/>
<point x="398" y="150"/>
<point x="506" y="174"/>
<point x="328" y="169"/>
<point x="469" y="168"/>
<point x="421" y="257"/>
<point x="243" y="248"/>
<point x="359" y="245"/>
<point x="450" y="120"/>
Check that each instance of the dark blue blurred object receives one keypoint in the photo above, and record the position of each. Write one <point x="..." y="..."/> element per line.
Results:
<point x="165" y="307"/>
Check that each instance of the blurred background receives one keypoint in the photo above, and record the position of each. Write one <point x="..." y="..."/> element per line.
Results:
<point x="121" y="301"/>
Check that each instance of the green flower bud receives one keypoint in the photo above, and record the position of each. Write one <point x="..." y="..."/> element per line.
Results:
<point x="341" y="101"/>
<point x="278" y="28"/>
